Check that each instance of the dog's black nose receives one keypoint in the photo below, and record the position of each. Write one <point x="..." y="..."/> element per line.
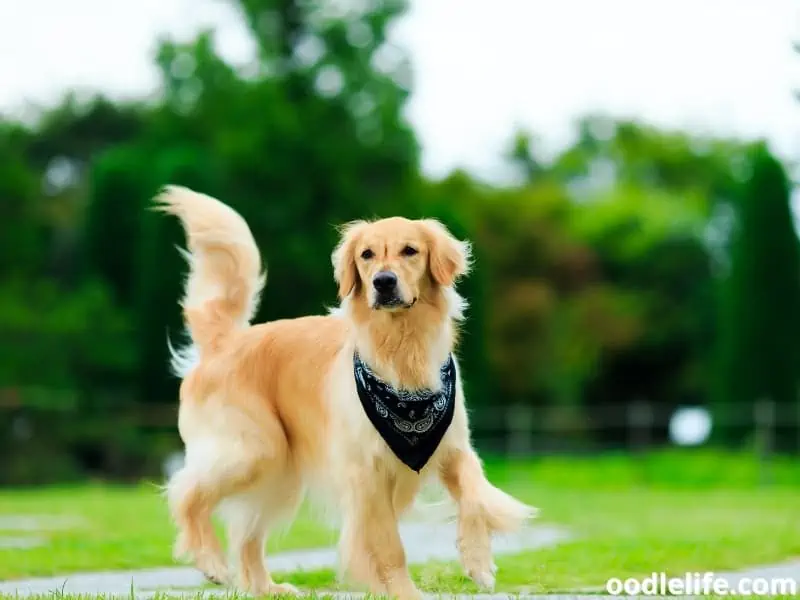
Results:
<point x="385" y="281"/>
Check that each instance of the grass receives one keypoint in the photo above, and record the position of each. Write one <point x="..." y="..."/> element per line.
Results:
<point x="117" y="527"/>
<point x="668" y="511"/>
<point x="635" y="534"/>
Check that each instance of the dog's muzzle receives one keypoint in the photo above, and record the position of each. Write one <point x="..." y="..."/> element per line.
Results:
<point x="387" y="293"/>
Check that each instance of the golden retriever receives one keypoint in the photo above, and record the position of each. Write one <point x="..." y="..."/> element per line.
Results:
<point x="270" y="411"/>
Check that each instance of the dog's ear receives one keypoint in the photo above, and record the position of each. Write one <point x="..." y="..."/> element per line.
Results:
<point x="344" y="261"/>
<point x="449" y="258"/>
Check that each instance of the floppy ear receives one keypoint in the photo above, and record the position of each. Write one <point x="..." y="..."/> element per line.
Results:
<point x="344" y="260"/>
<point x="449" y="258"/>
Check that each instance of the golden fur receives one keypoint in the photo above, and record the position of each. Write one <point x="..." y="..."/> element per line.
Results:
<point x="268" y="411"/>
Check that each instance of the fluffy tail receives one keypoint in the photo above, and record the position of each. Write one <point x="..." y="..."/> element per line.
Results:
<point x="503" y="512"/>
<point x="225" y="277"/>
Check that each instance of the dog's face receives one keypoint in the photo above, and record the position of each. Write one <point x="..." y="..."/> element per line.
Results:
<point x="392" y="263"/>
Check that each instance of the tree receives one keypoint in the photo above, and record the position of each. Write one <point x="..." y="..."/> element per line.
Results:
<point x="759" y="350"/>
<point x="112" y="233"/>
<point x="22" y="232"/>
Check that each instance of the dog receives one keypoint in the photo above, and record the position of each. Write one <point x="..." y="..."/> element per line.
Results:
<point x="270" y="411"/>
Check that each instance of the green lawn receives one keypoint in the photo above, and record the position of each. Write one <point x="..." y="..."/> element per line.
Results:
<point x="671" y="512"/>
<point x="119" y="528"/>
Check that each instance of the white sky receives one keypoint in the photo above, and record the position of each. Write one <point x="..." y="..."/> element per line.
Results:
<point x="481" y="66"/>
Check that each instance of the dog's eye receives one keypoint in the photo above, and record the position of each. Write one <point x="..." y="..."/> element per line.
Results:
<point x="367" y="254"/>
<point x="409" y="251"/>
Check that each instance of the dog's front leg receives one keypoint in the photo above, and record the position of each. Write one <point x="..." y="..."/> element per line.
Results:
<point x="482" y="510"/>
<point x="370" y="546"/>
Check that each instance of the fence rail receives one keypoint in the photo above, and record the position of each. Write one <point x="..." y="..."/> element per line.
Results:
<point x="119" y="437"/>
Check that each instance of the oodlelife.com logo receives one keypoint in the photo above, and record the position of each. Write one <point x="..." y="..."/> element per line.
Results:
<point x="658" y="584"/>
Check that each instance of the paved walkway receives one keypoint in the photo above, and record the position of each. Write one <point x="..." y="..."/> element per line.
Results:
<point x="423" y="542"/>
<point x="25" y="529"/>
<point x="787" y="570"/>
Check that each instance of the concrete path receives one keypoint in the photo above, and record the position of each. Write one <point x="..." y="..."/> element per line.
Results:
<point x="423" y="542"/>
<point x="25" y="529"/>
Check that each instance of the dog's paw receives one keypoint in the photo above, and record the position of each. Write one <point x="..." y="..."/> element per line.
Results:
<point x="214" y="579"/>
<point x="485" y="580"/>
<point x="281" y="589"/>
<point x="217" y="577"/>
<point x="214" y="569"/>
<point x="479" y="566"/>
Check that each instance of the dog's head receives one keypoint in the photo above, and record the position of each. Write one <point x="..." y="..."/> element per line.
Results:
<point x="393" y="264"/>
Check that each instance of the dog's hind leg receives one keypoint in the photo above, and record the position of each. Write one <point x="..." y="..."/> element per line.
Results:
<point x="248" y="517"/>
<point x="191" y="507"/>
<point x="213" y="471"/>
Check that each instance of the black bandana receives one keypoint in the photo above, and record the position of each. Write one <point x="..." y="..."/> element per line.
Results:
<point x="412" y="423"/>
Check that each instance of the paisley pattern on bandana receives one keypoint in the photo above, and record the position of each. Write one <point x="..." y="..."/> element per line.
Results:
<point x="411" y="422"/>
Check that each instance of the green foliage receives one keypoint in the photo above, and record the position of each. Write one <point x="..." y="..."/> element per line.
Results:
<point x="21" y="231"/>
<point x="119" y="193"/>
<point x="759" y="343"/>
<point x="549" y="316"/>
<point x="58" y="338"/>
<point x="651" y="244"/>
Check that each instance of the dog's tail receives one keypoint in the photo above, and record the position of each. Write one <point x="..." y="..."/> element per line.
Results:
<point x="505" y="513"/>
<point x="225" y="278"/>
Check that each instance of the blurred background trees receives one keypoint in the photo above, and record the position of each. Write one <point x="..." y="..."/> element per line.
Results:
<point x="637" y="264"/>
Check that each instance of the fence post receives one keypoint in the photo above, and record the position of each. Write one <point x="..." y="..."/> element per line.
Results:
<point x="797" y="424"/>
<point x="519" y="424"/>
<point x="640" y="423"/>
<point x="764" y="416"/>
